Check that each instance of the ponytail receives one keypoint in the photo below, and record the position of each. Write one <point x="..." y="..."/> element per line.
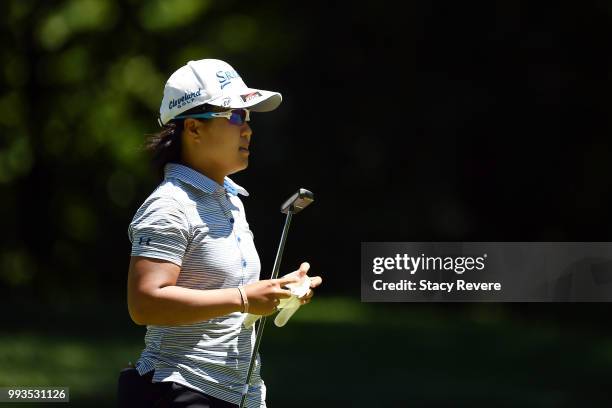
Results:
<point x="165" y="146"/>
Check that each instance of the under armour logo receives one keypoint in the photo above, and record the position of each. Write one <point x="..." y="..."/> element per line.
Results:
<point x="146" y="241"/>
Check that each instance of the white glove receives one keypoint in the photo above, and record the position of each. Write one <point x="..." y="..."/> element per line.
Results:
<point x="250" y="320"/>
<point x="287" y="306"/>
<point x="290" y="305"/>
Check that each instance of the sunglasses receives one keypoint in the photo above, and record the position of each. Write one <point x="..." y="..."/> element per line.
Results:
<point x="235" y="116"/>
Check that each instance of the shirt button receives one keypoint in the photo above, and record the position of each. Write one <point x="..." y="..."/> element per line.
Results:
<point x="243" y="263"/>
<point x="232" y="220"/>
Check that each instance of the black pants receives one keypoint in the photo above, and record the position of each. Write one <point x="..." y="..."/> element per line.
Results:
<point x="136" y="391"/>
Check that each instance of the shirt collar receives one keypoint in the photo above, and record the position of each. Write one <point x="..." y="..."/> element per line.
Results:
<point x="200" y="181"/>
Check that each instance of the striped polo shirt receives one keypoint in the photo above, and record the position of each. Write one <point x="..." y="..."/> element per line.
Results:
<point x="192" y="221"/>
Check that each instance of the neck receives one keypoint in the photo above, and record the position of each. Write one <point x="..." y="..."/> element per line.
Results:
<point x="203" y="165"/>
<point x="210" y="172"/>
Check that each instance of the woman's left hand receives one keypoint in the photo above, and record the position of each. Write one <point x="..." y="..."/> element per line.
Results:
<point x="314" y="281"/>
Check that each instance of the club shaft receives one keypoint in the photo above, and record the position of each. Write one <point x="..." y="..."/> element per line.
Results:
<point x="281" y="246"/>
<point x="262" y="321"/>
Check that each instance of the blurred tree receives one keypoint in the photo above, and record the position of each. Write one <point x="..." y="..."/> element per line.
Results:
<point x="80" y="83"/>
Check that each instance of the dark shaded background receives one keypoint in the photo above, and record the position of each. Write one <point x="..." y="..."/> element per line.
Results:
<point x="434" y="120"/>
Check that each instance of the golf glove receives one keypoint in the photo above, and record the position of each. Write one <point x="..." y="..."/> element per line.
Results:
<point x="287" y="306"/>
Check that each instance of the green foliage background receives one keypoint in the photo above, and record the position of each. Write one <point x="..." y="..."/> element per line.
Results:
<point x="80" y="84"/>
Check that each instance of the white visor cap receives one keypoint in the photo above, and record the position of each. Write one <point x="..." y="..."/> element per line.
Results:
<point x="214" y="82"/>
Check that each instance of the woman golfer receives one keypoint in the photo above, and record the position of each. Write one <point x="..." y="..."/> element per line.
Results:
<point x="194" y="270"/>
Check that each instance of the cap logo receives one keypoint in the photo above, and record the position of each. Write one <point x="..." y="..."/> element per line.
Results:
<point x="225" y="77"/>
<point x="188" y="97"/>
<point x="250" y="96"/>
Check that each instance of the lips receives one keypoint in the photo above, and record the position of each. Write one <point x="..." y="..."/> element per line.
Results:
<point x="243" y="149"/>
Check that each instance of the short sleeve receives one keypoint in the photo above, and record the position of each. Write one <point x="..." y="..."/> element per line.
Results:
<point x="160" y="229"/>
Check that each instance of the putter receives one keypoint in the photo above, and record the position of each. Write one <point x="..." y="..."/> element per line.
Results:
<point x="293" y="205"/>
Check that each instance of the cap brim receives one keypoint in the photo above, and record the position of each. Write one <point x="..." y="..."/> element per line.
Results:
<point x="256" y="100"/>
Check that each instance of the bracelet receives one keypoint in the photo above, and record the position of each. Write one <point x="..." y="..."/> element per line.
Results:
<point x="245" y="299"/>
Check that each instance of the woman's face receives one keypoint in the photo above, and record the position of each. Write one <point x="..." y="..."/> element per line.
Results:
<point x="218" y="145"/>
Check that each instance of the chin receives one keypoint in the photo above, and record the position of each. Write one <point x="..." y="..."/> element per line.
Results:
<point x="241" y="167"/>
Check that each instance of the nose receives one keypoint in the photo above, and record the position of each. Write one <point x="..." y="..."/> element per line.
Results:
<point x="246" y="131"/>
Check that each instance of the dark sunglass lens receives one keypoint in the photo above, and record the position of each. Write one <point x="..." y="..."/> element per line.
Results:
<point x="238" y="117"/>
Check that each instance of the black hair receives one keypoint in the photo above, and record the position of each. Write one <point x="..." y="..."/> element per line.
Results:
<point x="165" y="145"/>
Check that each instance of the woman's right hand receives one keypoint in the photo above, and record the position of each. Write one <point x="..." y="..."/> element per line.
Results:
<point x="265" y="295"/>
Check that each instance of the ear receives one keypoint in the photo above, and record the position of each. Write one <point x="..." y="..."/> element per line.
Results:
<point x="192" y="128"/>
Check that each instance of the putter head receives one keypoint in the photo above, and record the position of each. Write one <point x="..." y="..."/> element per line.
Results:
<point x="298" y="201"/>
